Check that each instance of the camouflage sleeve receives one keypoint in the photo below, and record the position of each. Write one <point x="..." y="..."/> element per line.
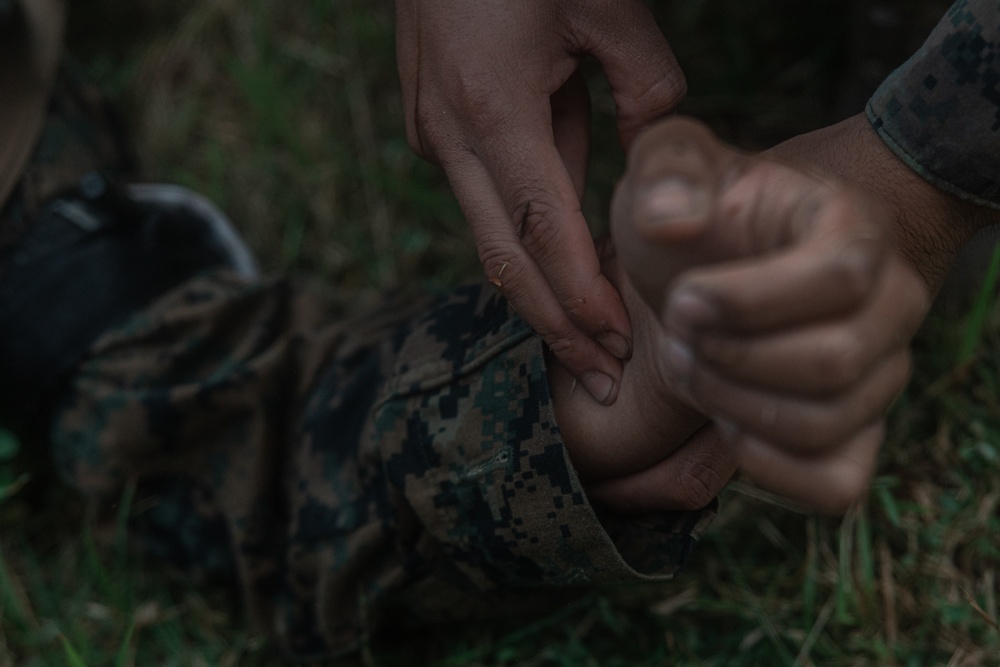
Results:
<point x="940" y="111"/>
<point x="347" y="472"/>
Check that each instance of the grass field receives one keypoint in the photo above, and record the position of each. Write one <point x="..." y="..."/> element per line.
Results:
<point x="288" y="116"/>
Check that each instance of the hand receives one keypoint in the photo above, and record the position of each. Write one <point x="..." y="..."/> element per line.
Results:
<point x="493" y="94"/>
<point x="649" y="451"/>
<point x="686" y="480"/>
<point x="786" y="307"/>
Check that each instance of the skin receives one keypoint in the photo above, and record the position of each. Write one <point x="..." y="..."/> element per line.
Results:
<point x="779" y="303"/>
<point x="492" y="92"/>
<point x="784" y="297"/>
<point x="928" y="226"/>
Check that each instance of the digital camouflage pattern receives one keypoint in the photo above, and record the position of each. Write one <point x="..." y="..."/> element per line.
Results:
<point x="344" y="469"/>
<point x="940" y="111"/>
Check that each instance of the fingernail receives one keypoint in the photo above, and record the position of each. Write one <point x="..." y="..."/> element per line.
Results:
<point x="686" y="311"/>
<point x="616" y="344"/>
<point x="599" y="385"/>
<point x="670" y="199"/>
<point x="729" y="430"/>
<point x="678" y="359"/>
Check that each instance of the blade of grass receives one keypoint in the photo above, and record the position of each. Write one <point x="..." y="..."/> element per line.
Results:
<point x="810" y="579"/>
<point x="121" y="524"/>
<point x="765" y="623"/>
<point x="519" y="635"/>
<point x="122" y="659"/>
<point x="10" y="603"/>
<point x="865" y="554"/>
<point x="73" y="658"/>
<point x="976" y="321"/>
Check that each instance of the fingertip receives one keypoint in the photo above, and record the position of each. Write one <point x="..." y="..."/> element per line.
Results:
<point x="602" y="387"/>
<point x="829" y="484"/>
<point x="673" y="208"/>
<point x="616" y="344"/>
<point x="687" y="311"/>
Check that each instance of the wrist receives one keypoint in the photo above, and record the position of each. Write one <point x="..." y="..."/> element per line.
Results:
<point x="929" y="225"/>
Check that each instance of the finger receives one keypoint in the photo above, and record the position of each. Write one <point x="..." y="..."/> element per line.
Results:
<point x="515" y="274"/>
<point x="689" y="201"/>
<point x="688" y="479"/>
<point x="675" y="172"/>
<point x="800" y="424"/>
<point x="571" y="128"/>
<point x="832" y="271"/>
<point x="830" y="483"/>
<point x="646" y="81"/>
<point x="755" y="243"/>
<point x="824" y="358"/>
<point x="540" y="198"/>
<point x="663" y="203"/>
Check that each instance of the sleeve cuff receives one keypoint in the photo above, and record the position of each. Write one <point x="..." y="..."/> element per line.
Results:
<point x="940" y="111"/>
<point x="483" y="465"/>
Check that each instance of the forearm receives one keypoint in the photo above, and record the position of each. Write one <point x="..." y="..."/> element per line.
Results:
<point x="930" y="225"/>
<point x="929" y="142"/>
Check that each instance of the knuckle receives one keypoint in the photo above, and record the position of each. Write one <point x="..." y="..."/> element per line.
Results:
<point x="664" y="89"/>
<point x="502" y="267"/>
<point x="535" y="221"/>
<point x="562" y="342"/>
<point x="840" y="361"/>
<point x="493" y="250"/>
<point x="825" y="431"/>
<point x="860" y="259"/>
<point x="475" y="96"/>
<point x="847" y="485"/>
<point x="840" y="425"/>
<point x="723" y="352"/>
<point x="855" y="270"/>
<point x="444" y="120"/>
<point x="809" y="432"/>
<point x="696" y="486"/>
<point x="576" y="308"/>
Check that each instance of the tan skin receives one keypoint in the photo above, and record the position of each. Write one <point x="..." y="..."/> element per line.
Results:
<point x="787" y="329"/>
<point x="492" y="93"/>
<point x="786" y="291"/>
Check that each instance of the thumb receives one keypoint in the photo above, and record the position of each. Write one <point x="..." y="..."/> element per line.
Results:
<point x="663" y="209"/>
<point x="646" y="81"/>
<point x="688" y="479"/>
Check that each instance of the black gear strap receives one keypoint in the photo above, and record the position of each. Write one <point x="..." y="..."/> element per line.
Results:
<point x="83" y="267"/>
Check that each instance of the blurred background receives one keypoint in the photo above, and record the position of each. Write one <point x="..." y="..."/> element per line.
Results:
<point x="288" y="115"/>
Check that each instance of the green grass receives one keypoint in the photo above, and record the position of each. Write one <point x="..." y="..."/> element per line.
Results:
<point x="287" y="114"/>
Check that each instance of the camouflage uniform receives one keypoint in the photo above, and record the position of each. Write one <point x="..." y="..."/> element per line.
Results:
<point x="940" y="111"/>
<point x="341" y="468"/>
